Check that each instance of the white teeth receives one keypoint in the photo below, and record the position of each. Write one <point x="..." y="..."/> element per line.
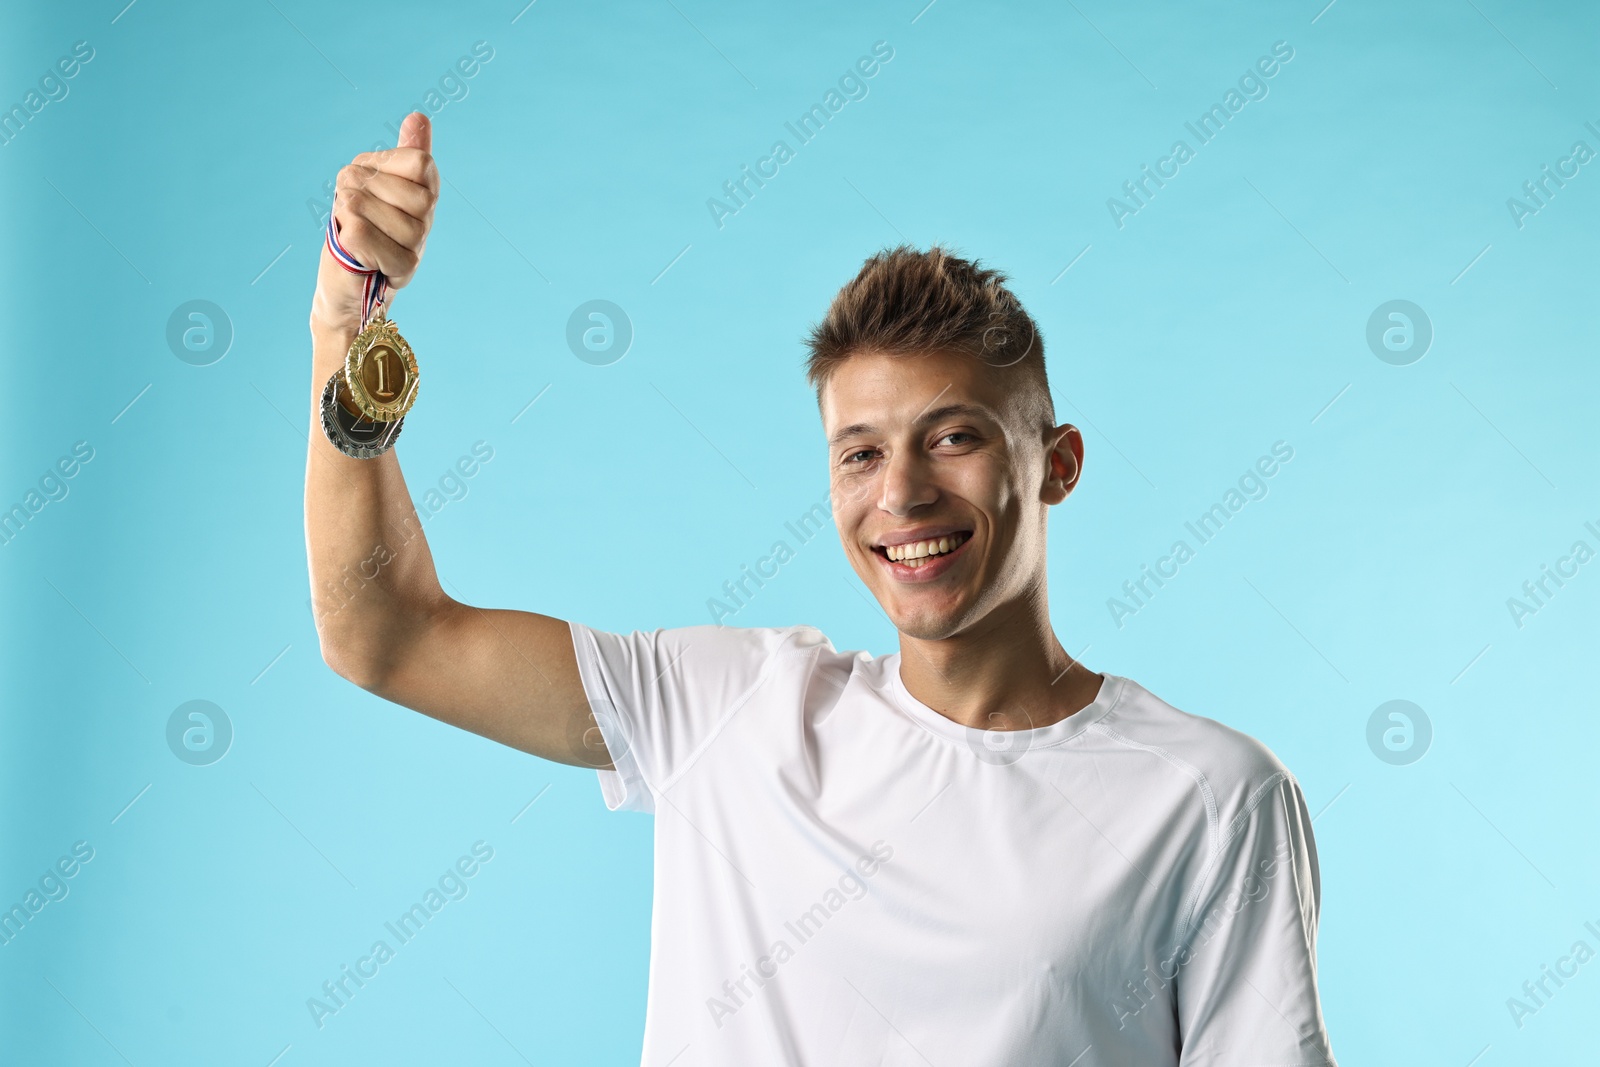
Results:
<point x="922" y="549"/>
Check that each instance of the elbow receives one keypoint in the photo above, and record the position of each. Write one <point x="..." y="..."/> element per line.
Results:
<point x="369" y="650"/>
<point x="346" y="645"/>
<point x="347" y="659"/>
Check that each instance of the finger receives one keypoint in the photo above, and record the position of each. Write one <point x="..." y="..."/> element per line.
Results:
<point x="413" y="164"/>
<point x="415" y="200"/>
<point x="416" y="132"/>
<point x="401" y="228"/>
<point x="369" y="244"/>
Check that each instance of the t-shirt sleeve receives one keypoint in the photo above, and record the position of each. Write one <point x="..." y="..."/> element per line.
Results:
<point x="660" y="696"/>
<point x="1247" y="983"/>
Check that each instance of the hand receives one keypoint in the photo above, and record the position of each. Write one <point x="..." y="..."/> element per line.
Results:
<point x="384" y="203"/>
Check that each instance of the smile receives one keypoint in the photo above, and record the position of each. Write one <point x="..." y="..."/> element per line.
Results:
<point x="924" y="559"/>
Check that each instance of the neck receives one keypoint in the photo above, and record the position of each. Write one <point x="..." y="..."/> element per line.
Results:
<point x="1008" y="672"/>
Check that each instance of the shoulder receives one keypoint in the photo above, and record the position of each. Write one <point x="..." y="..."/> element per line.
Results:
<point x="753" y="643"/>
<point x="1232" y="770"/>
<point x="714" y="637"/>
<point x="728" y="655"/>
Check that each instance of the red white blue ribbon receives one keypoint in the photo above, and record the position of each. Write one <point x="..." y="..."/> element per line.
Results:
<point x="377" y="286"/>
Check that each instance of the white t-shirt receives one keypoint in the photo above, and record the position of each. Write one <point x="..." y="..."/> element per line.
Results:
<point x="844" y="877"/>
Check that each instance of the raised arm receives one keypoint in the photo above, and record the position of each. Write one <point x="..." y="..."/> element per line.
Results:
<point x="383" y="620"/>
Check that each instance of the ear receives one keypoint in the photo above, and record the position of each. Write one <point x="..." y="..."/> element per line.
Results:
<point x="1065" y="458"/>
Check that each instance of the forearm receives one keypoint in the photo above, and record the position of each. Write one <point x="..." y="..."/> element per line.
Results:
<point x="373" y="583"/>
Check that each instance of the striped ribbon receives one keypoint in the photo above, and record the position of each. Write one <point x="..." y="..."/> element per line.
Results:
<point x="377" y="286"/>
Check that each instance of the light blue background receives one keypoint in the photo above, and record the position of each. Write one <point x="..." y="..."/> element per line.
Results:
<point x="1226" y="315"/>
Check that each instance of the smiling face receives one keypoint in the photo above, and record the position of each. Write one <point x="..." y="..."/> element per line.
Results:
<point x="941" y="486"/>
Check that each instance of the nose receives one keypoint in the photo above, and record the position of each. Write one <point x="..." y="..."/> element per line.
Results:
<point x="906" y="485"/>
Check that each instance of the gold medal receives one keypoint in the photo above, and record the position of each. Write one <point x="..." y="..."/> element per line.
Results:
<point x="380" y="370"/>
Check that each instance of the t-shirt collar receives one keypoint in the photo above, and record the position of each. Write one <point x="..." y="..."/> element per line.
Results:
<point x="1111" y="687"/>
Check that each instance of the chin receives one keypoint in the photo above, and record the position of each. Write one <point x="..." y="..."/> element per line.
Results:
<point x="927" y="626"/>
<point x="925" y="633"/>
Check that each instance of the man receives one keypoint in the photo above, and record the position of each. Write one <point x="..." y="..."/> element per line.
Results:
<point x="973" y="852"/>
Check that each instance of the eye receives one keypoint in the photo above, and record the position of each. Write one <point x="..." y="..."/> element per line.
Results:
<point x="958" y="433"/>
<point x="852" y="457"/>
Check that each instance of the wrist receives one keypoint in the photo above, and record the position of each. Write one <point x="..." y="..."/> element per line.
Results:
<point x="335" y="315"/>
<point x="333" y="329"/>
<point x="329" y="343"/>
<point x="339" y="336"/>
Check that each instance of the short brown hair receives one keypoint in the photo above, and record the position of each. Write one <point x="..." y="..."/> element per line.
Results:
<point x="905" y="301"/>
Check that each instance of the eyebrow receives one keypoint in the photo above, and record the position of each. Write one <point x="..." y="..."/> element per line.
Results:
<point x="935" y="415"/>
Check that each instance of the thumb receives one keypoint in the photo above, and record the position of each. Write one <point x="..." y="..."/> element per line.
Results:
<point x="416" y="132"/>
